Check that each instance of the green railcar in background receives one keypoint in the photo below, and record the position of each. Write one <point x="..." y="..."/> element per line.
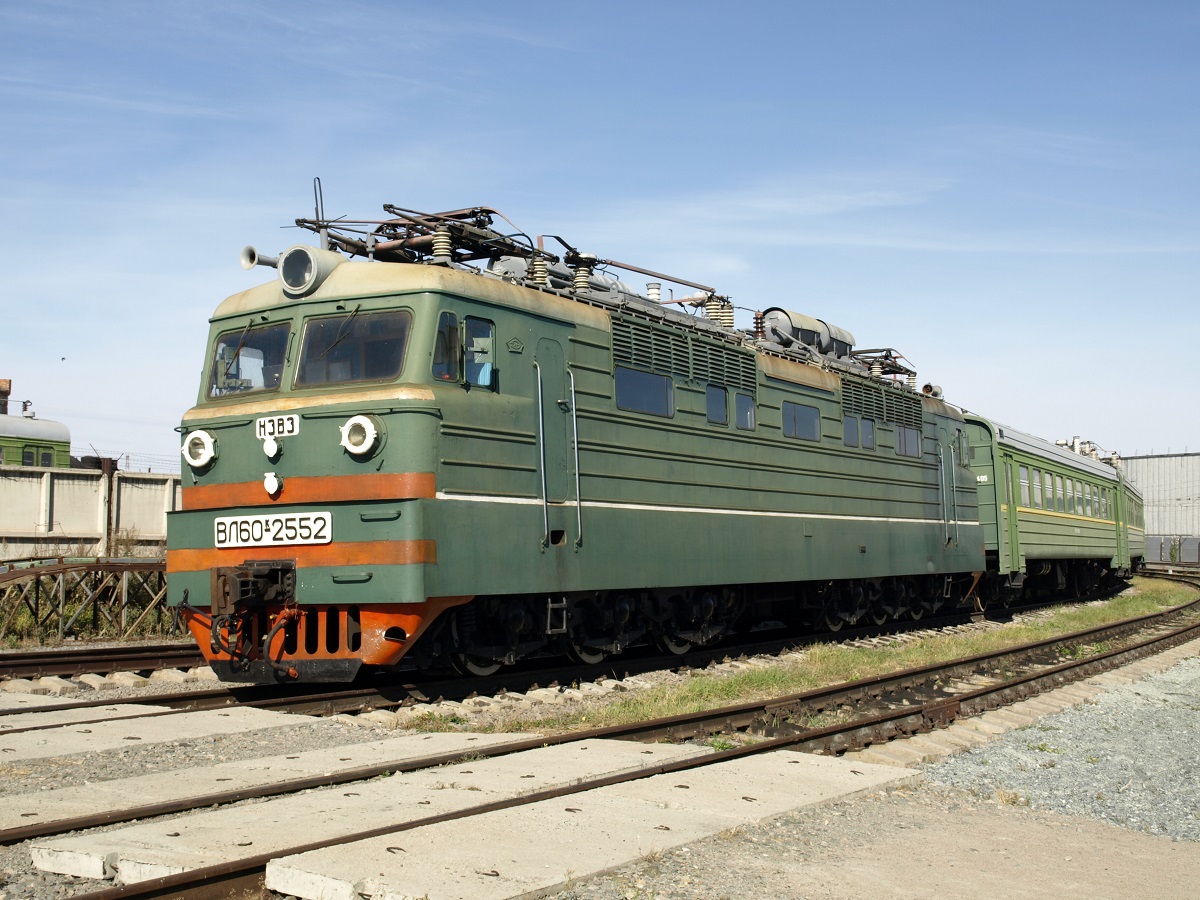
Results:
<point x="1055" y="521"/>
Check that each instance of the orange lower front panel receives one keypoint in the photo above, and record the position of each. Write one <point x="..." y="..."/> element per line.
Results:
<point x="312" y="643"/>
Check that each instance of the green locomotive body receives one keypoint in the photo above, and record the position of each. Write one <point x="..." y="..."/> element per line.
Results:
<point x="411" y="458"/>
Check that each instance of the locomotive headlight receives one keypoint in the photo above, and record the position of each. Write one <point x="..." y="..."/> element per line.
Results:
<point x="361" y="435"/>
<point x="302" y="269"/>
<point x="199" y="448"/>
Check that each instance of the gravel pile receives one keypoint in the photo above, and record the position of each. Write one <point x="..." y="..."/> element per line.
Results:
<point x="1128" y="758"/>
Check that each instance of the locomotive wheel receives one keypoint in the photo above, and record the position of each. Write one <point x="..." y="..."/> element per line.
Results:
<point x="673" y="645"/>
<point x="585" y="655"/>
<point x="834" y="622"/>
<point x="465" y="664"/>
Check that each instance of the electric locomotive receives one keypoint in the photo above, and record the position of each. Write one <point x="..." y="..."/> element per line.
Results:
<point x="433" y="441"/>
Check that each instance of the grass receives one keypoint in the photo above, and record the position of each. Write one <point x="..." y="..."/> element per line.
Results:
<point x="825" y="665"/>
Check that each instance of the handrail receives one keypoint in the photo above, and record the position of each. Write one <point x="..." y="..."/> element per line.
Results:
<point x="575" y="445"/>
<point x="542" y="460"/>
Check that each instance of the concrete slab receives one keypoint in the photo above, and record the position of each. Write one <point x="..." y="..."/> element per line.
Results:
<point x="69" y="739"/>
<point x="120" y="794"/>
<point x="534" y="849"/>
<point x="140" y="852"/>
<point x="71" y="716"/>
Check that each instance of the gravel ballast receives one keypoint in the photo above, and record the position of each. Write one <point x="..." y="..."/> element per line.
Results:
<point x="1128" y="757"/>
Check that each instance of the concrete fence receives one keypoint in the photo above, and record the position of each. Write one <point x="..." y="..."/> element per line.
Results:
<point x="84" y="512"/>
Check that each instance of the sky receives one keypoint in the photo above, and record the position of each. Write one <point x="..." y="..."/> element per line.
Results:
<point x="1007" y="193"/>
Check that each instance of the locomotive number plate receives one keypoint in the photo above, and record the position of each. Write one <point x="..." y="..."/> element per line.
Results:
<point x="273" y="531"/>
<point x="276" y="427"/>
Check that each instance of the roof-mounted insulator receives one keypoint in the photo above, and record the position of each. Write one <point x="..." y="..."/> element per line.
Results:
<point x="443" y="246"/>
<point x="911" y="381"/>
<point x="759" y="325"/>
<point x="719" y="310"/>
<point x="583" y="271"/>
<point x="876" y="368"/>
<point x="654" y="291"/>
<point x="539" y="270"/>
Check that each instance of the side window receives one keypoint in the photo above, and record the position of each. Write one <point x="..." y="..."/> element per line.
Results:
<point x="1048" y="482"/>
<point x="1025" y="486"/>
<point x="1060" y="493"/>
<point x="850" y="431"/>
<point x="867" y="433"/>
<point x="1" y="456"/>
<point x="1037" y="488"/>
<point x="908" y="442"/>
<point x="1070" y="496"/>
<point x="27" y="457"/>
<point x="480" y="355"/>
<point x="445" y="348"/>
<point x="646" y="392"/>
<point x="47" y="458"/>
<point x="744" y="410"/>
<point x="800" y="421"/>
<point x="717" y="401"/>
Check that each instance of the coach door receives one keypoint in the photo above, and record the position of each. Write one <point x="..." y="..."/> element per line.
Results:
<point x="555" y="411"/>
<point x="1010" y="520"/>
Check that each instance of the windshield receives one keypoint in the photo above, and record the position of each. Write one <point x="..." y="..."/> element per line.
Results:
<point x="356" y="346"/>
<point x="249" y="359"/>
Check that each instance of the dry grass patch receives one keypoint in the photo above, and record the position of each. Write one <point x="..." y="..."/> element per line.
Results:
<point x="824" y="665"/>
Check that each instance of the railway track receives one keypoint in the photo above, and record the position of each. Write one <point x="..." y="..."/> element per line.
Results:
<point x="393" y="691"/>
<point x="870" y="711"/>
<point x="75" y="661"/>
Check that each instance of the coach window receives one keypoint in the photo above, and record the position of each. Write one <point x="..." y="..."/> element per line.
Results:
<point x="1079" y="498"/>
<point x="1037" y="488"/>
<point x="646" y="392"/>
<point x="1059" y="493"/>
<point x="716" y="398"/>
<point x="445" y="348"/>
<point x="480" y="352"/>
<point x="743" y="408"/>
<point x="850" y="431"/>
<point x="800" y="421"/>
<point x="1025" y="486"/>
<point x="27" y="457"/>
<point x="1070" y="496"/>
<point x="1049" y="495"/>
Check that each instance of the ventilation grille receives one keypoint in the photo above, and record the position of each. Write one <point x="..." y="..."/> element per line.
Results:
<point x="904" y="409"/>
<point x="863" y="400"/>
<point x="641" y="346"/>
<point x="716" y="365"/>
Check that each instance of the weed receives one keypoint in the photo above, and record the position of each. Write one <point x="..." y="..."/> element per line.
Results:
<point x="1009" y="798"/>
<point x="1043" y="747"/>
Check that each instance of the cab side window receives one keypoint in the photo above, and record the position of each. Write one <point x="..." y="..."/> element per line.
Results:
<point x="480" y="352"/>
<point x="446" y="349"/>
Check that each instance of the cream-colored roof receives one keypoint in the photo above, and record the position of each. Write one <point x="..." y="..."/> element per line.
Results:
<point x="373" y="279"/>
